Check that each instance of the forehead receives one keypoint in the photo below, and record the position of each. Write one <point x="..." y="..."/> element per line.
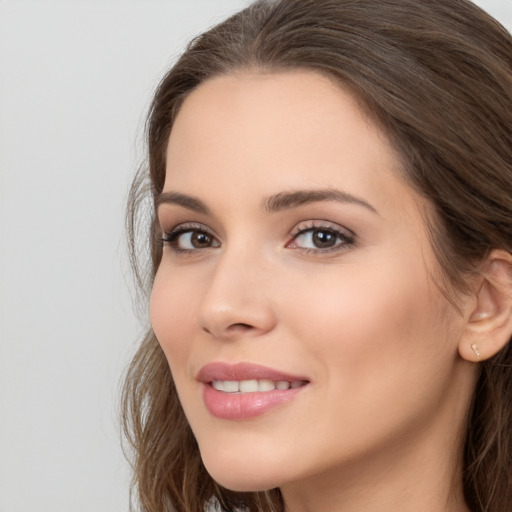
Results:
<point x="272" y="108"/>
<point x="269" y="132"/>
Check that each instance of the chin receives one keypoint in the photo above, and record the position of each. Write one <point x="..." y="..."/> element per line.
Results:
<point x="238" y="483"/>
<point x="241" y="476"/>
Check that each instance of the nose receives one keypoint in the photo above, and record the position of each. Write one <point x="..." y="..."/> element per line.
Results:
<point x="237" y="301"/>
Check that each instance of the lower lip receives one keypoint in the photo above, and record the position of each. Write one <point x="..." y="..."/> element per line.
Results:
<point x="241" y="406"/>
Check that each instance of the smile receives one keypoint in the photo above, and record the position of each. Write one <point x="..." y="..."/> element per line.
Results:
<point x="245" y="390"/>
<point x="254" y="386"/>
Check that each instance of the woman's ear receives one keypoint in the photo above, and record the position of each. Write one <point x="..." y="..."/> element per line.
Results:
<point x="489" y="325"/>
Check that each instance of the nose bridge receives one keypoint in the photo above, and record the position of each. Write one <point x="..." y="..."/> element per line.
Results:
<point x="237" y="298"/>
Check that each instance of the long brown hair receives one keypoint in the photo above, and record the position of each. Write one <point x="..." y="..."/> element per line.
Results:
<point x="437" y="76"/>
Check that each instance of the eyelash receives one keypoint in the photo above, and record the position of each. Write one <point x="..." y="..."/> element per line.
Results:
<point x="171" y="238"/>
<point x="345" y="237"/>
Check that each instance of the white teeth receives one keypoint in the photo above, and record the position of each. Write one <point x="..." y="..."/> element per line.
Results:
<point x="218" y="385"/>
<point x="253" y="385"/>
<point x="231" y="386"/>
<point x="266" y="385"/>
<point x="248" y="386"/>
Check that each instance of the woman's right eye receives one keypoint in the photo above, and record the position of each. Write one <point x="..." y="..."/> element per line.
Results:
<point x="188" y="239"/>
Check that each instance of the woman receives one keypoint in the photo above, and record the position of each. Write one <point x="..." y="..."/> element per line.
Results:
<point x="331" y="264"/>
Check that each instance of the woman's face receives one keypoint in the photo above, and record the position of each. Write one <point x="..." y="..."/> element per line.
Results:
<point x="295" y="300"/>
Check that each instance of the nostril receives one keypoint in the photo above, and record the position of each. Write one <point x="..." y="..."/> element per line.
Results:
<point x="233" y="329"/>
<point x="240" y="327"/>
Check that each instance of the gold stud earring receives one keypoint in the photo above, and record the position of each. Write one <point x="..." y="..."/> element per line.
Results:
<point x="475" y="350"/>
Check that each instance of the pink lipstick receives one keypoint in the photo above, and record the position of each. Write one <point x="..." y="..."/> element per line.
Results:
<point x="245" y="390"/>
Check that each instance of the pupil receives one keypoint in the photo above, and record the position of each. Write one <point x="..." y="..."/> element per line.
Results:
<point x="200" y="240"/>
<point x="323" y="239"/>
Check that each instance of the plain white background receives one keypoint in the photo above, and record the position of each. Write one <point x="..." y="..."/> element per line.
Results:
<point x="76" y="78"/>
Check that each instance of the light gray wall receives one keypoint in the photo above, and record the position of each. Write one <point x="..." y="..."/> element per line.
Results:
<point x="75" y="80"/>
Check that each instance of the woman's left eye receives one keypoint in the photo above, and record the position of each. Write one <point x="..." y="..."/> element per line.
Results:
<point x="320" y="239"/>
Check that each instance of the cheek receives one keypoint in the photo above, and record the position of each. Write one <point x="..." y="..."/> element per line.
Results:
<point x="376" y="343"/>
<point x="365" y="324"/>
<point x="172" y="313"/>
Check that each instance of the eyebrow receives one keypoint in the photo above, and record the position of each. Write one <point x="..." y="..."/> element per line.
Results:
<point x="272" y="204"/>
<point x="294" y="199"/>
<point x="189" y="202"/>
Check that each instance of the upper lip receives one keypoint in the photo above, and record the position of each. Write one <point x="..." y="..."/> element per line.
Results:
<point x="243" y="371"/>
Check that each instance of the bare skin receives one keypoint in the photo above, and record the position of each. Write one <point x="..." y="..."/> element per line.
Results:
<point x="338" y="288"/>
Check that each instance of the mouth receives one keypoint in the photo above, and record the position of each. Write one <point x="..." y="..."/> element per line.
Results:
<point x="245" y="390"/>
<point x="255" y="386"/>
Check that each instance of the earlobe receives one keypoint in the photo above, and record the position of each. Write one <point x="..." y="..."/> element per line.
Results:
<point x="489" y="325"/>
